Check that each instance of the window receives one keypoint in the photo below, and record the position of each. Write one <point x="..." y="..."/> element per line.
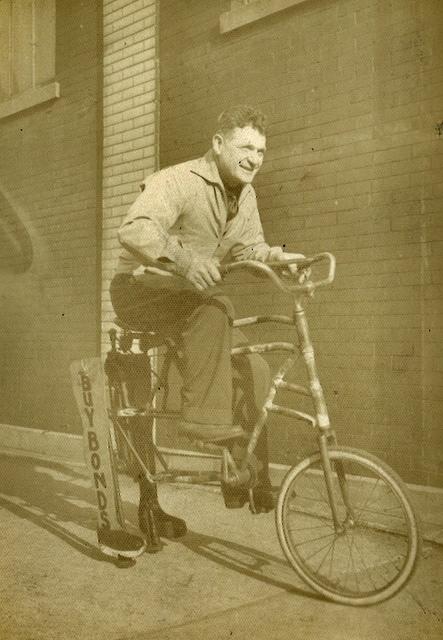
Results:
<point x="244" y="12"/>
<point x="27" y="54"/>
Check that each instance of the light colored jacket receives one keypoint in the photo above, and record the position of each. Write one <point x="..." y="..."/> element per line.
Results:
<point x="182" y="213"/>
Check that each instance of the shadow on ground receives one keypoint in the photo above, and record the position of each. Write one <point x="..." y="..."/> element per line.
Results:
<point x="58" y="499"/>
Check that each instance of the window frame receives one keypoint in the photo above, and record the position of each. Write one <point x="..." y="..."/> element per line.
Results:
<point x="38" y="67"/>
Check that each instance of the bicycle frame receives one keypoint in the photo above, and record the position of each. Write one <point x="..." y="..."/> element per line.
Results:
<point x="299" y="322"/>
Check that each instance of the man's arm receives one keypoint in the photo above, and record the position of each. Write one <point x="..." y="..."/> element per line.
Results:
<point x="251" y="244"/>
<point x="145" y="232"/>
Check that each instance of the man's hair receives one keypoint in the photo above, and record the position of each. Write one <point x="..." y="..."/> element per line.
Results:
<point x="240" y="116"/>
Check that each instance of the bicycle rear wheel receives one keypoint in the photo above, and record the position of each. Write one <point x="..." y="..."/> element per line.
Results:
<point x="372" y="552"/>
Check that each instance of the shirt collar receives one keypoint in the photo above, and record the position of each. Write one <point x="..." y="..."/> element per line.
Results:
<point x="206" y="168"/>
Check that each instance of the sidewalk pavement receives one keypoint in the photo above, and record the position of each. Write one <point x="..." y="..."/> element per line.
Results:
<point x="226" y="579"/>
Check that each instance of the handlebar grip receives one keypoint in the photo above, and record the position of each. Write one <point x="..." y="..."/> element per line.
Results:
<point x="302" y="263"/>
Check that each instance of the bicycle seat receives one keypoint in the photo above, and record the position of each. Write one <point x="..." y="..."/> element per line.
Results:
<point x="128" y="327"/>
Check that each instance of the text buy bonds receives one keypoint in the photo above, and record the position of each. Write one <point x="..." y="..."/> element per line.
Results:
<point x="89" y="390"/>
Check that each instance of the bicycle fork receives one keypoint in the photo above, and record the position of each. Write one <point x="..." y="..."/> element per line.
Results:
<point x="326" y="435"/>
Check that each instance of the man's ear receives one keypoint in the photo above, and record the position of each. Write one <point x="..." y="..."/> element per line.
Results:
<point x="217" y="143"/>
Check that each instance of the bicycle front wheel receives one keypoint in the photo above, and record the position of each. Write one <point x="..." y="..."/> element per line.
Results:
<point x="371" y="550"/>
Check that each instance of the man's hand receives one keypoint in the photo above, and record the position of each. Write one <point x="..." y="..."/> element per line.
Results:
<point x="293" y="269"/>
<point x="203" y="273"/>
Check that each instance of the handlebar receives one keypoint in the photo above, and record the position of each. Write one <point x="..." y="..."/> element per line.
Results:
<point x="269" y="269"/>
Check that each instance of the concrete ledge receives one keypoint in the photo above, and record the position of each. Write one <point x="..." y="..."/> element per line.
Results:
<point x="67" y="448"/>
<point x="239" y="16"/>
<point x="41" y="444"/>
<point x="29" y="98"/>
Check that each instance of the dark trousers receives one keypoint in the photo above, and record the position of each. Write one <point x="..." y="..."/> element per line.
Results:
<point x="215" y="386"/>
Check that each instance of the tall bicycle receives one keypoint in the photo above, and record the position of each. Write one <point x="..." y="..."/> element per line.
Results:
<point x="343" y="517"/>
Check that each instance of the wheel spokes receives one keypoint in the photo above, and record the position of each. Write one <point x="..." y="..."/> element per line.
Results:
<point x="368" y="553"/>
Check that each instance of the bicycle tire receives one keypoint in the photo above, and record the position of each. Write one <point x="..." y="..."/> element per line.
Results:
<point x="379" y="544"/>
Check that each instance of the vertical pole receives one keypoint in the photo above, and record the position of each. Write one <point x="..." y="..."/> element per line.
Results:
<point x="327" y="468"/>
<point x="307" y="351"/>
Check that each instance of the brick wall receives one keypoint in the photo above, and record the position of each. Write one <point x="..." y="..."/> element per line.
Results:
<point x="48" y="207"/>
<point x="353" y="90"/>
<point x="129" y="125"/>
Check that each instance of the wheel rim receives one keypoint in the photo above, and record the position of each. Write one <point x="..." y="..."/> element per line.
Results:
<point x="372" y="553"/>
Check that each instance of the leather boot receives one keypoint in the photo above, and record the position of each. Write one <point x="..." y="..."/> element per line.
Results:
<point x="167" y="525"/>
<point x="237" y="497"/>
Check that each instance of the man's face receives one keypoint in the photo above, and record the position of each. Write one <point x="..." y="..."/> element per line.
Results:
<point x="239" y="155"/>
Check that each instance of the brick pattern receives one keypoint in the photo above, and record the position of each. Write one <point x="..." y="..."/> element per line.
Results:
<point x="48" y="186"/>
<point x="353" y="90"/>
<point x="129" y="121"/>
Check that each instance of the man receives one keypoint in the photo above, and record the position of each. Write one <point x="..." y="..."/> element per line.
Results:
<point x="187" y="219"/>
